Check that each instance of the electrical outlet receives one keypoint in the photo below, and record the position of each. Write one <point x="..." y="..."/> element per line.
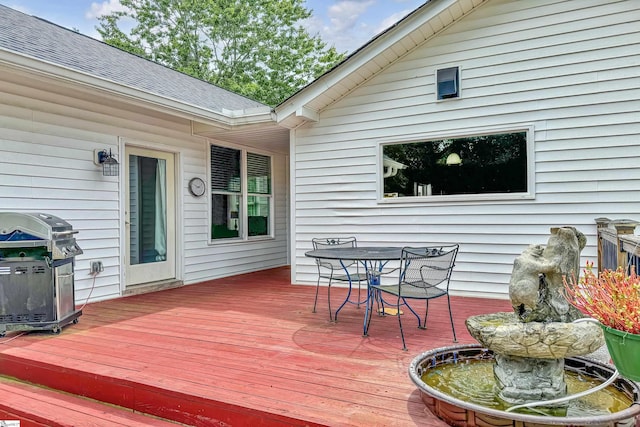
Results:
<point x="96" y="267"/>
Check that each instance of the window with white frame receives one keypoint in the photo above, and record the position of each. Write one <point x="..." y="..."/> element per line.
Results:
<point x="241" y="194"/>
<point x="448" y="83"/>
<point x="484" y="164"/>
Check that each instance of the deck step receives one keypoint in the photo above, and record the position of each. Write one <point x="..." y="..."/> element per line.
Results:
<point x="38" y="406"/>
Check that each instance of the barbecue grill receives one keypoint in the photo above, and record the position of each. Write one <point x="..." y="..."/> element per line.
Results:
<point x="37" y="258"/>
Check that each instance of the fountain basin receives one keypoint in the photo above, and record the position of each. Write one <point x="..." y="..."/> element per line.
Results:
<point x="505" y="334"/>
<point x="457" y="412"/>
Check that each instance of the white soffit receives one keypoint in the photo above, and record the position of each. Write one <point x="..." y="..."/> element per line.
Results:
<point x="265" y="136"/>
<point x="412" y="31"/>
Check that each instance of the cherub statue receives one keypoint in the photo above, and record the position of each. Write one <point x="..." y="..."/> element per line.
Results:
<point x="536" y="288"/>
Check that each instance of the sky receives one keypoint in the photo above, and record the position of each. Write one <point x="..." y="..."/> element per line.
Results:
<point x="345" y="24"/>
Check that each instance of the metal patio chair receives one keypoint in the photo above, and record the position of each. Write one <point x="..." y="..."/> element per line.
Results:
<point x="424" y="274"/>
<point x="337" y="270"/>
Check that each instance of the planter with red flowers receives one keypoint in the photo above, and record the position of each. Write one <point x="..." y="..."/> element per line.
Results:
<point x="612" y="297"/>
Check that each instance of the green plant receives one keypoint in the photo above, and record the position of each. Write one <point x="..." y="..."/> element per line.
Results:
<point x="612" y="297"/>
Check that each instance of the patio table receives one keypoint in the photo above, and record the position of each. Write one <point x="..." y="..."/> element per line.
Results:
<point x="373" y="258"/>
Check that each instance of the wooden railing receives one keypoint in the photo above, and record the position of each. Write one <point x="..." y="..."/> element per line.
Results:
<point x="617" y="245"/>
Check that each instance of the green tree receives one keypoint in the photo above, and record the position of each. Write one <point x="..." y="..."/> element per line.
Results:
<point x="257" y="48"/>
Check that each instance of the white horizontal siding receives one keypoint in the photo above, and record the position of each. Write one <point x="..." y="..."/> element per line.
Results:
<point x="54" y="173"/>
<point x="221" y="260"/>
<point x="48" y="136"/>
<point x="569" y="68"/>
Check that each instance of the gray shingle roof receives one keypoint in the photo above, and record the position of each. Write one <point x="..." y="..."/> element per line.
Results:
<point x="40" y="39"/>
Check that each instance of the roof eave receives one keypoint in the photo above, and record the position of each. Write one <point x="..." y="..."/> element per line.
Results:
<point x="227" y="119"/>
<point x="288" y="112"/>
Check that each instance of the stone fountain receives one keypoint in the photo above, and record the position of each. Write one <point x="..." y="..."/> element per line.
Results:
<point x="530" y="347"/>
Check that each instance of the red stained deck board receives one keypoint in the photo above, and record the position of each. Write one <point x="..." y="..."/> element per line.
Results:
<point x="304" y="395"/>
<point x="233" y="370"/>
<point x="184" y="407"/>
<point x="42" y="407"/>
<point x="243" y="349"/>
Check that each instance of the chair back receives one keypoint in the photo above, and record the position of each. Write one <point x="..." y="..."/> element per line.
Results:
<point x="333" y="242"/>
<point x="427" y="267"/>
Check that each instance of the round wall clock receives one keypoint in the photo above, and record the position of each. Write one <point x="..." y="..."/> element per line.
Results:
<point x="197" y="187"/>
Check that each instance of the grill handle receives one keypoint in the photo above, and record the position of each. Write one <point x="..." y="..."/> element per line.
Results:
<point x="57" y="234"/>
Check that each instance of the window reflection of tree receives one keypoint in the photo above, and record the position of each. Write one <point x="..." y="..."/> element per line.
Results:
<point x="490" y="164"/>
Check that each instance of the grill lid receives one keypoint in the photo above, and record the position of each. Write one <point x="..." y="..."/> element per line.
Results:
<point x="31" y="226"/>
<point x="31" y="229"/>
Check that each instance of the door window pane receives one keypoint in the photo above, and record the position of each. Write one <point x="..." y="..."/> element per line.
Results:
<point x="148" y="210"/>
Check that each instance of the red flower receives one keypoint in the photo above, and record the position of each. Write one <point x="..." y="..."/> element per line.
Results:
<point x="612" y="297"/>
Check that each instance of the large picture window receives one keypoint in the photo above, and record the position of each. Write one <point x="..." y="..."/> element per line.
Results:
<point x="241" y="194"/>
<point x="488" y="164"/>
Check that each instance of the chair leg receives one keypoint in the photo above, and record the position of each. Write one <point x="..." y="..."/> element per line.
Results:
<point x="420" y="323"/>
<point x="426" y="314"/>
<point x="315" y="301"/>
<point x="331" y="317"/>
<point x="451" y="318"/>
<point x="404" y="345"/>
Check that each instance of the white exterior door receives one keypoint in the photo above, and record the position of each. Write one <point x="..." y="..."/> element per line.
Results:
<point x="150" y="216"/>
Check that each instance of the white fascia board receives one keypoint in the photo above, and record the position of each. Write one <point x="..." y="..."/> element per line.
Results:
<point x="308" y="114"/>
<point x="359" y="59"/>
<point x="40" y="68"/>
<point x="250" y="116"/>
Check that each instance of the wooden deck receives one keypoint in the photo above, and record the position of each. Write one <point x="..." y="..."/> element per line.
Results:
<point x="239" y="351"/>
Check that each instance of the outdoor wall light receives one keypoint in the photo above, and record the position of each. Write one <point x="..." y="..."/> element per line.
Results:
<point x="453" y="159"/>
<point x="110" y="166"/>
